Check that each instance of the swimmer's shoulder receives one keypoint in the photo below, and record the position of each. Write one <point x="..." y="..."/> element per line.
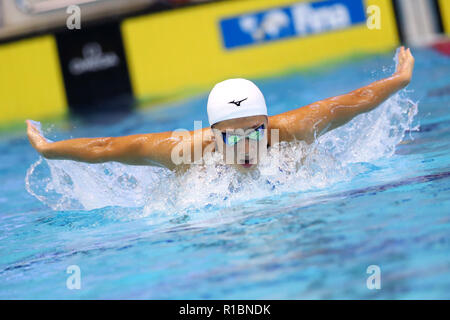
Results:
<point x="278" y="125"/>
<point x="291" y="126"/>
<point x="208" y="140"/>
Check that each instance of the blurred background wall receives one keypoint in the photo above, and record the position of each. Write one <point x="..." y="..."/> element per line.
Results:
<point x="106" y="57"/>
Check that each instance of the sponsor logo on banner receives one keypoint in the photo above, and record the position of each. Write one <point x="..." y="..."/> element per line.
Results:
<point x="94" y="70"/>
<point x="298" y="20"/>
<point x="93" y="60"/>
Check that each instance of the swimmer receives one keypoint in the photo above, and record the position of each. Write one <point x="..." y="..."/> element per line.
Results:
<point x="240" y="127"/>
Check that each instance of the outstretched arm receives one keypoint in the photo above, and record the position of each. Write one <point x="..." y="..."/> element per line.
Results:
<point x="313" y="120"/>
<point x="154" y="149"/>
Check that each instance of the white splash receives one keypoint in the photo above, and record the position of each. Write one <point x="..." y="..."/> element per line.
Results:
<point x="294" y="167"/>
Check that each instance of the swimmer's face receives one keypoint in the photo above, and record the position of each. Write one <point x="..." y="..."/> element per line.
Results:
<point x="242" y="141"/>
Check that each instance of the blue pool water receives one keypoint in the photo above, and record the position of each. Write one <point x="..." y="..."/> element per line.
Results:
<point x="375" y="192"/>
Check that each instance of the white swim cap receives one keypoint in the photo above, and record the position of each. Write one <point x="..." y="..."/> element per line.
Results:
<point x="235" y="98"/>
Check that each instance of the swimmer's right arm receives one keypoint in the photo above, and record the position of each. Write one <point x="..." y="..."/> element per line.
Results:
<point x="309" y="122"/>
<point x="154" y="149"/>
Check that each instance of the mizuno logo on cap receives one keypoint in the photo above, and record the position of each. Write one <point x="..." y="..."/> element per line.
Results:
<point x="238" y="103"/>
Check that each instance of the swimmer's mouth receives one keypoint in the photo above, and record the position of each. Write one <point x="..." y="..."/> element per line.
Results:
<point x="247" y="163"/>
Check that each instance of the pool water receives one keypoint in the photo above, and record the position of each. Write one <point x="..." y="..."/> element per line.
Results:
<point x="375" y="192"/>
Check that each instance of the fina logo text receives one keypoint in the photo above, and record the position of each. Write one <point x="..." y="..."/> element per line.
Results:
<point x="94" y="59"/>
<point x="298" y="20"/>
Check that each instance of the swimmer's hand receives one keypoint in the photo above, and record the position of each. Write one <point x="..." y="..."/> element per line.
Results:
<point x="36" y="139"/>
<point x="405" y="66"/>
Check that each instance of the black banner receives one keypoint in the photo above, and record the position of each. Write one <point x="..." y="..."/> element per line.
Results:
<point x="229" y="309"/>
<point x="95" y="71"/>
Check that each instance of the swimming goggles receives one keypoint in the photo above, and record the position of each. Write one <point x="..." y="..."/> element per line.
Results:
<point x="232" y="139"/>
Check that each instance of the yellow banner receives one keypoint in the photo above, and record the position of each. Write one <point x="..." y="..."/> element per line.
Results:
<point x="185" y="50"/>
<point x="444" y="6"/>
<point x="31" y="84"/>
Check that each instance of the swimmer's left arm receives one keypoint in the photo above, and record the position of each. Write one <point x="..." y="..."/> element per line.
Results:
<point x="311" y="121"/>
<point x="161" y="149"/>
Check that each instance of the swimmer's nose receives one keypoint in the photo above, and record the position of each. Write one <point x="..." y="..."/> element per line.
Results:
<point x="247" y="147"/>
<point x="249" y="159"/>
